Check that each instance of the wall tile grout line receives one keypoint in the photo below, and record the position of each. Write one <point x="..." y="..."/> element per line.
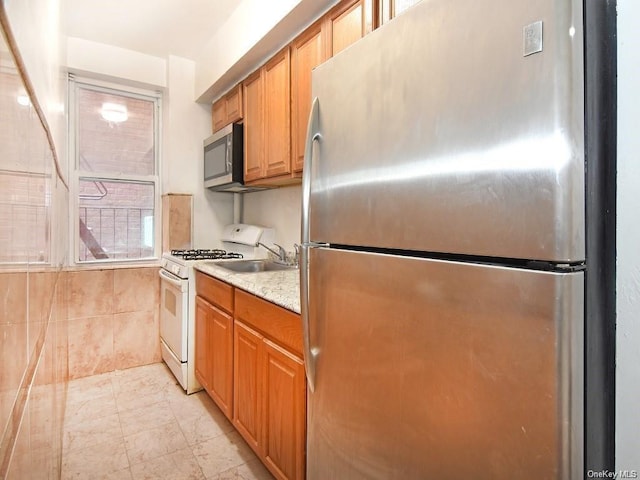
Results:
<point x="8" y="441"/>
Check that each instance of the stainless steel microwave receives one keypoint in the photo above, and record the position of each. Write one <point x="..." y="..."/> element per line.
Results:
<point x="224" y="160"/>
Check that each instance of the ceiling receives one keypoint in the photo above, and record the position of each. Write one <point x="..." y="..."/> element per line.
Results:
<point x="154" y="27"/>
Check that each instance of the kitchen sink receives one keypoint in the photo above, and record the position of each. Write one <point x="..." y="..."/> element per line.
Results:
<point x="252" y="266"/>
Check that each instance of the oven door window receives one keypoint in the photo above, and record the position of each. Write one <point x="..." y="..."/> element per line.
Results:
<point x="174" y="303"/>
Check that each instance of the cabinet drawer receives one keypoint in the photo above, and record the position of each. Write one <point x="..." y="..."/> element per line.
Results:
<point x="280" y="324"/>
<point x="215" y="291"/>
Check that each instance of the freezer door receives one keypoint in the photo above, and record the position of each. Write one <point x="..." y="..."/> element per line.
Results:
<point x="438" y="133"/>
<point x="429" y="369"/>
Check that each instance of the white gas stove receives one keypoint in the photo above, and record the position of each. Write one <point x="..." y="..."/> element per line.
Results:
<point x="178" y="293"/>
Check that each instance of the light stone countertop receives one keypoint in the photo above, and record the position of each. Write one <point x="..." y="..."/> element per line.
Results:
<point x="281" y="287"/>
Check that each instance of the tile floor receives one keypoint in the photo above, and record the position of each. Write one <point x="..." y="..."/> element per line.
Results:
<point x="139" y="424"/>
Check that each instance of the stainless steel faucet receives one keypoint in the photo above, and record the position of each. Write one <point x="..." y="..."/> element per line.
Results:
<point x="296" y="249"/>
<point x="281" y="253"/>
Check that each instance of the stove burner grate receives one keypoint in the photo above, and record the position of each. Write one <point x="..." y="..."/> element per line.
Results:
<point x="205" y="254"/>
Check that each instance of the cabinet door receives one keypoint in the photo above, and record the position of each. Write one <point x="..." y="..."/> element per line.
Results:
<point x="277" y="110"/>
<point x="221" y="345"/>
<point x="253" y="126"/>
<point x="306" y="52"/>
<point x="202" y="358"/>
<point x="219" y="114"/>
<point x="233" y="101"/>
<point x="247" y="408"/>
<point x="214" y="354"/>
<point x="284" y="412"/>
<point x="345" y="25"/>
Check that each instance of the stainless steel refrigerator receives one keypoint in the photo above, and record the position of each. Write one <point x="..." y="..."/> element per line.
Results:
<point x="443" y="255"/>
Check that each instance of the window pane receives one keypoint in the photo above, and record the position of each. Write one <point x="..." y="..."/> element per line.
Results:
<point x="116" y="219"/>
<point x="24" y="217"/>
<point x="115" y="133"/>
<point x="25" y="173"/>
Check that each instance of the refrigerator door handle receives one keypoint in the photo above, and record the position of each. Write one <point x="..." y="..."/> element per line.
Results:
<point x="313" y="135"/>
<point x="309" y="357"/>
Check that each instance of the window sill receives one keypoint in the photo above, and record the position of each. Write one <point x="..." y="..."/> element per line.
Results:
<point x="112" y="265"/>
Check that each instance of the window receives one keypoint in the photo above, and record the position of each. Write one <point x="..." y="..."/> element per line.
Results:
<point x="25" y="174"/>
<point x="115" y="146"/>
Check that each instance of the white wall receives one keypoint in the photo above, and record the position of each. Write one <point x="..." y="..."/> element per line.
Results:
<point x="247" y="25"/>
<point x="255" y="30"/>
<point x="109" y="62"/>
<point x="279" y="208"/>
<point x="628" y="238"/>
<point x="185" y="125"/>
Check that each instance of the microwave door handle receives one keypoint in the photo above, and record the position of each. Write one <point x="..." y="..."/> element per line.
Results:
<point x="228" y="154"/>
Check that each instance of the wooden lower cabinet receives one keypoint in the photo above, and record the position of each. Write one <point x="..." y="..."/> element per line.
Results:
<point x="249" y="360"/>
<point x="203" y="356"/>
<point x="248" y="346"/>
<point x="270" y="402"/>
<point x="214" y="354"/>
<point x="284" y="415"/>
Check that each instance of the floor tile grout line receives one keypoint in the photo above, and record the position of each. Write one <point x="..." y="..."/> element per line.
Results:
<point x="189" y="446"/>
<point x="124" y="443"/>
<point x="164" y="402"/>
<point x="160" y="386"/>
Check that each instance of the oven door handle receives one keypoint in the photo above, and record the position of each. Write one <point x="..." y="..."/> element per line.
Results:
<point x="172" y="279"/>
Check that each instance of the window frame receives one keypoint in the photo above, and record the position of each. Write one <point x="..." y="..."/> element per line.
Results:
<point x="76" y="174"/>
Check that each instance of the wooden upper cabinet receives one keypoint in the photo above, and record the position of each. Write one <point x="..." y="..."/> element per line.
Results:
<point x="347" y="23"/>
<point x="307" y="52"/>
<point x="233" y="101"/>
<point x="219" y="114"/>
<point x="267" y="121"/>
<point x="253" y="126"/>
<point x="228" y="109"/>
<point x="276" y="98"/>
<point x="277" y="111"/>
